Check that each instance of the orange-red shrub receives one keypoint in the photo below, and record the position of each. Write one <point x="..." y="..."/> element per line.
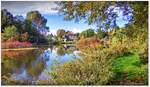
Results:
<point x="15" y="44"/>
<point x="91" y="42"/>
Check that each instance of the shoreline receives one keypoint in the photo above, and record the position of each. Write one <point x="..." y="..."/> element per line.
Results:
<point x="15" y="49"/>
<point x="29" y="48"/>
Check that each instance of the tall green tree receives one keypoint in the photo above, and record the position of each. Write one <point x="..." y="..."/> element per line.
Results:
<point x="32" y="31"/>
<point x="49" y="38"/>
<point x="35" y="16"/>
<point x="95" y="12"/>
<point x="7" y="19"/>
<point x="98" y="13"/>
<point x="36" y="20"/>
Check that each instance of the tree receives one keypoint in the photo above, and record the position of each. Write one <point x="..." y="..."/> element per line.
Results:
<point x="50" y="38"/>
<point x="9" y="33"/>
<point x="140" y="26"/>
<point x="35" y="16"/>
<point x="101" y="13"/>
<point x="34" y="34"/>
<point x="140" y="13"/>
<point x="27" y="27"/>
<point x="69" y="32"/>
<point x="24" y="36"/>
<point x="7" y="18"/>
<point x="19" y="26"/>
<point x="87" y="33"/>
<point x="60" y="33"/>
<point x="19" y="22"/>
<point x="36" y="20"/>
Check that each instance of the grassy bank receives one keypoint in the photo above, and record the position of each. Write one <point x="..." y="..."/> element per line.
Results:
<point x="130" y="70"/>
<point x="95" y="68"/>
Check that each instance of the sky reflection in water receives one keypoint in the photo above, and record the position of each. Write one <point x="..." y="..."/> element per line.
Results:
<point x="40" y="66"/>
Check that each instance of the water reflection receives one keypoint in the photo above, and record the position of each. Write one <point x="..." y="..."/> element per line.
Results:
<point x="32" y="65"/>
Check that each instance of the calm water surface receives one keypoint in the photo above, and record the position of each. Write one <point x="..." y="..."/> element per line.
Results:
<point x="33" y="65"/>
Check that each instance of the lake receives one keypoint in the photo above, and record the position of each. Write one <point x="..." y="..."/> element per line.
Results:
<point x="33" y="65"/>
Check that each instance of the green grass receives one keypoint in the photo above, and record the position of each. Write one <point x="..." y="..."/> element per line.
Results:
<point x="126" y="63"/>
<point x="131" y="65"/>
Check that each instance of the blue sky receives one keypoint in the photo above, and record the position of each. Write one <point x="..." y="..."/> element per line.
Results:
<point x="54" y="21"/>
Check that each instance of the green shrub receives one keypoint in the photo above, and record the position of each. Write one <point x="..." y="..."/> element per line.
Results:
<point x="144" y="53"/>
<point x="101" y="34"/>
<point x="10" y="33"/>
<point x="93" y="69"/>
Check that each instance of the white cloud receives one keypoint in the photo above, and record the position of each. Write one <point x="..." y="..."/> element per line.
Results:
<point x="53" y="32"/>
<point x="22" y="7"/>
<point x="75" y="30"/>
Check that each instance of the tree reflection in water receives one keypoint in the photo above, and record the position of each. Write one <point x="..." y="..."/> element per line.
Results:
<point x="32" y="65"/>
